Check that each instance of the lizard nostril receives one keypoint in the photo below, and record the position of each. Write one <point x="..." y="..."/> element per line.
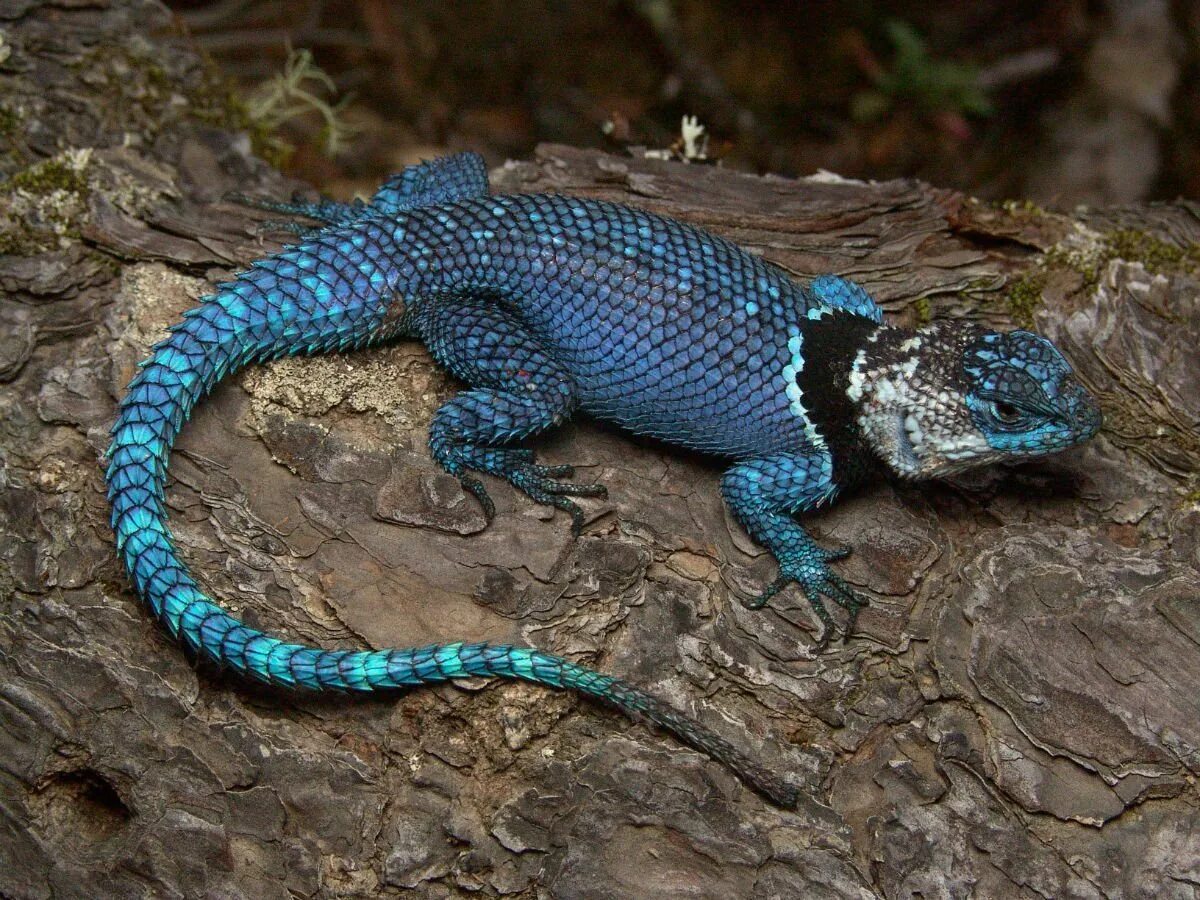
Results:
<point x="1086" y="411"/>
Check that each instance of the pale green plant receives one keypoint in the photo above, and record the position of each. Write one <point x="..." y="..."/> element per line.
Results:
<point x="296" y="91"/>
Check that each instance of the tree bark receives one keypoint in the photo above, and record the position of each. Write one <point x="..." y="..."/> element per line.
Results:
<point x="1017" y="715"/>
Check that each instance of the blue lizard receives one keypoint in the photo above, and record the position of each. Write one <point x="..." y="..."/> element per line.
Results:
<point x="545" y="305"/>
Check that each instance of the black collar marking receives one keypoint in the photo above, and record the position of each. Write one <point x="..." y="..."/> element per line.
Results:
<point x="830" y="346"/>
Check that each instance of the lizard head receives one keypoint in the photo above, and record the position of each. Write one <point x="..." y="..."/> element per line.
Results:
<point x="952" y="397"/>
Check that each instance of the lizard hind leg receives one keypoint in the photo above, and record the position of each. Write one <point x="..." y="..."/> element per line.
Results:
<point x="518" y="390"/>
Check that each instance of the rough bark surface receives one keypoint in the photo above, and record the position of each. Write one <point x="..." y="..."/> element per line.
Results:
<point x="1018" y="715"/>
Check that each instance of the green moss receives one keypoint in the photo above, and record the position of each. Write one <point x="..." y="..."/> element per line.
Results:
<point x="1157" y="255"/>
<point x="135" y="88"/>
<point x="1089" y="260"/>
<point x="143" y="93"/>
<point x="44" y="205"/>
<point x="922" y="312"/>
<point x="1024" y="297"/>
<point x="217" y="102"/>
<point x="13" y="243"/>
<point x="10" y="121"/>
<point x="155" y="74"/>
<point x="47" y="177"/>
<point x="1024" y="207"/>
<point x="26" y="240"/>
<point x="142" y="89"/>
<point x="1087" y="265"/>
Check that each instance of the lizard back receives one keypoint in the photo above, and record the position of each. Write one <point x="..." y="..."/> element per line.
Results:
<point x="665" y="329"/>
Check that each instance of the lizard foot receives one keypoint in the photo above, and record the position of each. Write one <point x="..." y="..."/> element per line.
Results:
<point x="283" y="226"/>
<point x="297" y="207"/>
<point x="817" y="582"/>
<point x="322" y="210"/>
<point x="540" y="483"/>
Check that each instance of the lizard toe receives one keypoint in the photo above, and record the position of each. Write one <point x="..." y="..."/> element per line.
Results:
<point x="475" y="487"/>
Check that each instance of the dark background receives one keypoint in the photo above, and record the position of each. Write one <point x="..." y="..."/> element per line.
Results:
<point x="1061" y="102"/>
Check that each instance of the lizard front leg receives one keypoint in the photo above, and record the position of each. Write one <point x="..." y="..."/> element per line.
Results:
<point x="764" y="494"/>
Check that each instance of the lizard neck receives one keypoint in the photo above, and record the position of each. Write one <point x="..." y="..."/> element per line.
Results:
<point x="907" y="390"/>
<point x="832" y="341"/>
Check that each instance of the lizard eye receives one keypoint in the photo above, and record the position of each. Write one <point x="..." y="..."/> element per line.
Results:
<point x="1007" y="413"/>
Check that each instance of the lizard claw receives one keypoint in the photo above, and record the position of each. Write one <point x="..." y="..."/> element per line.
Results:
<point x="541" y="483"/>
<point x="475" y="487"/>
<point x="835" y="555"/>
<point x="771" y="590"/>
<point x="542" y="486"/>
<point x="818" y="584"/>
<point x="277" y="226"/>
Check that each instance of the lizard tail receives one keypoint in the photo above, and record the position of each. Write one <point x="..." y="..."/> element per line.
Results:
<point x="262" y="315"/>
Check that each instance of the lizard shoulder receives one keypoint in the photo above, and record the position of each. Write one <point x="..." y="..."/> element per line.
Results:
<point x="841" y="293"/>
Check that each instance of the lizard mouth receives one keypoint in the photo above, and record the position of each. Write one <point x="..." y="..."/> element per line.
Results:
<point x="906" y="462"/>
<point x="918" y="457"/>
